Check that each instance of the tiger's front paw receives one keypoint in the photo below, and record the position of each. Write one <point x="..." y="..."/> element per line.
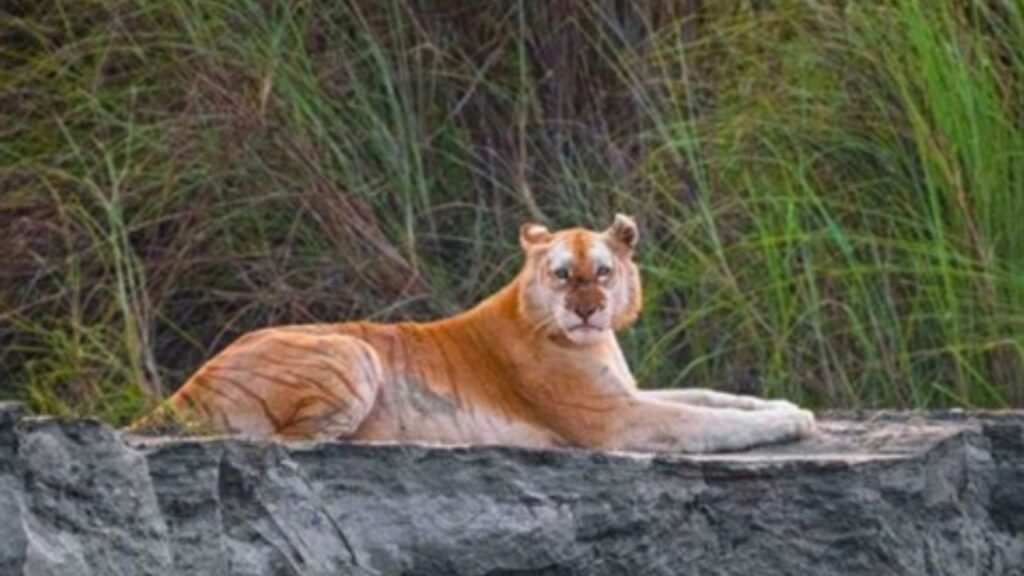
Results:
<point x="793" y="422"/>
<point x="806" y="425"/>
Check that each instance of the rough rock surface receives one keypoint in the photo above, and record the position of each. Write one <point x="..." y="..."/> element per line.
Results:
<point x="873" y="494"/>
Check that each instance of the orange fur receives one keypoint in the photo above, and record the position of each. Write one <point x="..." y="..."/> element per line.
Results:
<point x="536" y="364"/>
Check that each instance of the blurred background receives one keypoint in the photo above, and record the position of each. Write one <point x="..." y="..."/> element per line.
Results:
<point x="830" y="193"/>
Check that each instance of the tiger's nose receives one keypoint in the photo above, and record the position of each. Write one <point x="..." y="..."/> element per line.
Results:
<point x="586" y="309"/>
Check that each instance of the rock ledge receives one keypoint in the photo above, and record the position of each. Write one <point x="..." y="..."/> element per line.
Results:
<point x="877" y="493"/>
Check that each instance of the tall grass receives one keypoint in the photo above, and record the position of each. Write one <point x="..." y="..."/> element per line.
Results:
<point x="830" y="193"/>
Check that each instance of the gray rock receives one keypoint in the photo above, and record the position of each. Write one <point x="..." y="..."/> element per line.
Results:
<point x="880" y="493"/>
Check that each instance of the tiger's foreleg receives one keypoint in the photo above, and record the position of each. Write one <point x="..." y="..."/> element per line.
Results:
<point x="650" y="425"/>
<point x="715" y="399"/>
<point x="284" y="384"/>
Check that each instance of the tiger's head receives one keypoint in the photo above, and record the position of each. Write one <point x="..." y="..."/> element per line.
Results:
<point x="578" y="284"/>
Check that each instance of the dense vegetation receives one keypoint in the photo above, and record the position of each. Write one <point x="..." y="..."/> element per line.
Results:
<point x="831" y="193"/>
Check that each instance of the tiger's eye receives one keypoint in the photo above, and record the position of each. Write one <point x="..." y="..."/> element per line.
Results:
<point x="562" y="274"/>
<point x="603" y="271"/>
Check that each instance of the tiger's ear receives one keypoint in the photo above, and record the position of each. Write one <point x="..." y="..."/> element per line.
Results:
<point x="531" y="234"/>
<point x="624" y="231"/>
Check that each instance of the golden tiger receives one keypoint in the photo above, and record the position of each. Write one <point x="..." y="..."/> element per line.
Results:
<point x="537" y="364"/>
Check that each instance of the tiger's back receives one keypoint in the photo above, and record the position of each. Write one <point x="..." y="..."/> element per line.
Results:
<point x="432" y="382"/>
